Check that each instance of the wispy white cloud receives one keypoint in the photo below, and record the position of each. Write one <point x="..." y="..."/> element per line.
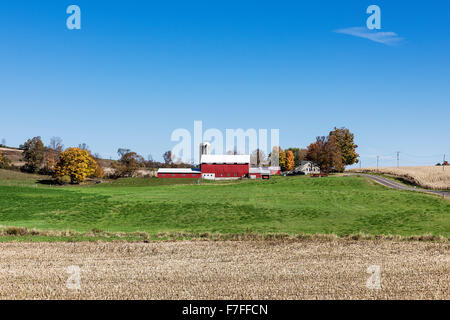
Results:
<point x="388" y="38"/>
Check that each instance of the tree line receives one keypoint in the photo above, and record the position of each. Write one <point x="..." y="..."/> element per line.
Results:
<point x="330" y="153"/>
<point x="76" y="164"/>
<point x="335" y="151"/>
<point x="73" y="165"/>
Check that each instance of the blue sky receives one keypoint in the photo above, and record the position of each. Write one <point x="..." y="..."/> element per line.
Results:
<point x="137" y="70"/>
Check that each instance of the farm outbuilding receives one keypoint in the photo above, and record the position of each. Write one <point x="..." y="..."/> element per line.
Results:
<point x="259" y="173"/>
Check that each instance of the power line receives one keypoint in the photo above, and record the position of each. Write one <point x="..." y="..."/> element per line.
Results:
<point x="415" y="160"/>
<point x="422" y="156"/>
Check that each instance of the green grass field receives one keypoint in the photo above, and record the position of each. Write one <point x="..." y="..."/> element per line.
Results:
<point x="293" y="205"/>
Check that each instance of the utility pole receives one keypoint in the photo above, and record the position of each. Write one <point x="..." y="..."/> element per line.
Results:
<point x="443" y="164"/>
<point x="398" y="158"/>
<point x="360" y="163"/>
<point x="378" y="157"/>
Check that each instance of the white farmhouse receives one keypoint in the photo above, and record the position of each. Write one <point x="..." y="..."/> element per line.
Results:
<point x="307" y="167"/>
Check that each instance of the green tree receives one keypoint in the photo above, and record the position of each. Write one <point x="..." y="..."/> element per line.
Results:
<point x="33" y="154"/>
<point x="345" y="141"/>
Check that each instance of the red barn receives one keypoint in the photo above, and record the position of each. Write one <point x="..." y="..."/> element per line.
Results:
<point x="178" y="173"/>
<point x="215" y="166"/>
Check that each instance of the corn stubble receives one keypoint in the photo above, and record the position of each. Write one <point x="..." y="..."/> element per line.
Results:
<point x="307" y="269"/>
<point x="426" y="176"/>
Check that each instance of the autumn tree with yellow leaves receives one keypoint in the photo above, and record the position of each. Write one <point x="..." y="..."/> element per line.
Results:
<point x="290" y="160"/>
<point x="75" y="164"/>
<point x="282" y="159"/>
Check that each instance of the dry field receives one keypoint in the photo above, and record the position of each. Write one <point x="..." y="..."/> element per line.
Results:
<point x="308" y="269"/>
<point x="433" y="177"/>
<point x="14" y="155"/>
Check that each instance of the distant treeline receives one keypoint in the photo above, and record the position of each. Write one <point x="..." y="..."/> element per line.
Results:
<point x="75" y="164"/>
<point x="331" y="153"/>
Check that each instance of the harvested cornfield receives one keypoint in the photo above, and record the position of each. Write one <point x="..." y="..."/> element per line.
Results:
<point x="307" y="269"/>
<point x="435" y="177"/>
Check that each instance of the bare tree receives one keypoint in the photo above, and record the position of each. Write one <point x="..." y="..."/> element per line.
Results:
<point x="56" y="144"/>
<point x="122" y="151"/>
<point x="150" y="163"/>
<point x="257" y="157"/>
<point x="168" y="158"/>
<point x="84" y="146"/>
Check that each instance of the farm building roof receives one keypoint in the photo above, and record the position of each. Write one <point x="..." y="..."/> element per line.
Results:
<point x="259" y="170"/>
<point x="178" y="170"/>
<point x="226" y="158"/>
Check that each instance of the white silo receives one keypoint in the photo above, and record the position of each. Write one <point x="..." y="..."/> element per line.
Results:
<point x="205" y="148"/>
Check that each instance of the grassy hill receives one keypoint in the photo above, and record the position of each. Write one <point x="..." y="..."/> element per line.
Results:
<point x="293" y="205"/>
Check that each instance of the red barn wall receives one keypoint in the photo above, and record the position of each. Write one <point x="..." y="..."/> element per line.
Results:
<point x="179" y="175"/>
<point x="226" y="170"/>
